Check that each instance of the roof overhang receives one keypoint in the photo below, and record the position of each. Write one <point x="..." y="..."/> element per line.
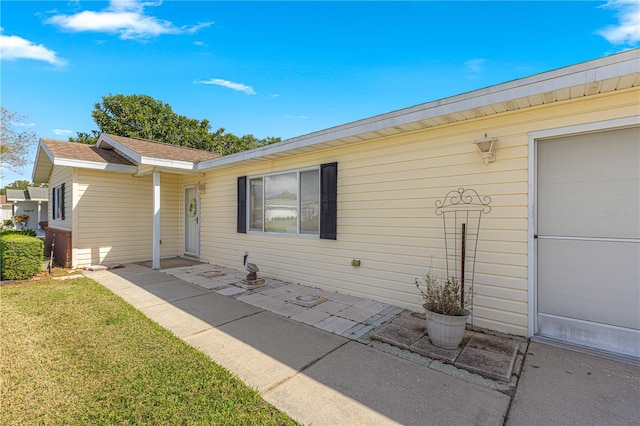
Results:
<point x="603" y="75"/>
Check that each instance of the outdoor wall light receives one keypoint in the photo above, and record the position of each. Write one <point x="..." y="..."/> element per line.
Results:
<point x="201" y="187"/>
<point x="486" y="146"/>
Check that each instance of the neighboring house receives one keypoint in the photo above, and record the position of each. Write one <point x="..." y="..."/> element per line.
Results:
<point x="33" y="202"/>
<point x="557" y="256"/>
<point x="6" y="208"/>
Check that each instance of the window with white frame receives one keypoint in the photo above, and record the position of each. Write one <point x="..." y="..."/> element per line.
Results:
<point x="286" y="203"/>
<point x="58" y="202"/>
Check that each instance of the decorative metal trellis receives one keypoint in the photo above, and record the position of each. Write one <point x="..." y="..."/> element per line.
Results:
<point x="461" y="212"/>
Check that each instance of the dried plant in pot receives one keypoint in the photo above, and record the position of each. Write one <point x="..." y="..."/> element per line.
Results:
<point x="444" y="309"/>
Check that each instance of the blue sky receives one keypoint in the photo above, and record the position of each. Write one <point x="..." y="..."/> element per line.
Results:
<point x="284" y="68"/>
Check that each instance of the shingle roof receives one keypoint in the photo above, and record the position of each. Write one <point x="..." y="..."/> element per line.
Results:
<point x="17" y="195"/>
<point x="38" y="193"/>
<point x="153" y="149"/>
<point x="79" y="151"/>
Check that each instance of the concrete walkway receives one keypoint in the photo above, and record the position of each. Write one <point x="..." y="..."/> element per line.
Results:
<point x="327" y="374"/>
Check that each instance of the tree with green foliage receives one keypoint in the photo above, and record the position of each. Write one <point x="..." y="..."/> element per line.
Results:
<point x="144" y="117"/>
<point x="14" y="146"/>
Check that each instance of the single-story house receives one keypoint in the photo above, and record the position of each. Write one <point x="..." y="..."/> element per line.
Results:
<point x="557" y="255"/>
<point x="32" y="202"/>
<point x="6" y="208"/>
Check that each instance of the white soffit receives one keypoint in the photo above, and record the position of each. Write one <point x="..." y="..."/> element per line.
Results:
<point x="603" y="75"/>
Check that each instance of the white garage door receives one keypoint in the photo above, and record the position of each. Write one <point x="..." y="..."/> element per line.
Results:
<point x="588" y="240"/>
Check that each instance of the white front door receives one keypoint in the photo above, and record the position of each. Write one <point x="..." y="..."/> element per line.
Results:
<point x="588" y="240"/>
<point x="191" y="221"/>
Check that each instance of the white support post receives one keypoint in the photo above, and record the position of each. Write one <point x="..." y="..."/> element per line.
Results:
<point x="156" y="220"/>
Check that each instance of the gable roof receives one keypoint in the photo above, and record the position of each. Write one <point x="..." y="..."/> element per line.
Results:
<point x="17" y="195"/>
<point x="39" y="194"/>
<point x="144" y="151"/>
<point x="60" y="153"/>
<point x="115" y="153"/>
<point x="30" y="194"/>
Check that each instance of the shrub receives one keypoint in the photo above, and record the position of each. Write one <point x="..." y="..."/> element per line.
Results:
<point x="20" y="256"/>
<point x="27" y="232"/>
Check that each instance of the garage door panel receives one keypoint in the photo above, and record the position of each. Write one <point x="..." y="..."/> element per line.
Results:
<point x="592" y="157"/>
<point x="589" y="185"/>
<point x="590" y="281"/>
<point x="607" y="209"/>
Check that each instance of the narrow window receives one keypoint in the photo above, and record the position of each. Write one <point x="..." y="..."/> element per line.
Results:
<point x="309" y="202"/>
<point x="281" y="203"/>
<point x="58" y="202"/>
<point x="256" y="193"/>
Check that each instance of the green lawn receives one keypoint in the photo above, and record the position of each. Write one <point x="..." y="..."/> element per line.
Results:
<point x="74" y="353"/>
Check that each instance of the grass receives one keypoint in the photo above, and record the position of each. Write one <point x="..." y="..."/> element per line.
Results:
<point x="74" y="353"/>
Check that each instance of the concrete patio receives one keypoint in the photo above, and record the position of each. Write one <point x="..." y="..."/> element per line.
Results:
<point x="348" y="360"/>
<point x="492" y="361"/>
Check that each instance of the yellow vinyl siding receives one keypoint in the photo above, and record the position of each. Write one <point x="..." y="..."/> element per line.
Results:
<point x="60" y="175"/>
<point x="115" y="223"/>
<point x="387" y="190"/>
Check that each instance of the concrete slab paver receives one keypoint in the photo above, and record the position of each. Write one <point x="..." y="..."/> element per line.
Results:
<point x="231" y="291"/>
<point x="310" y="316"/>
<point x="335" y="324"/>
<point x="489" y="356"/>
<point x="424" y="347"/>
<point x="355" y="314"/>
<point x="402" y="331"/>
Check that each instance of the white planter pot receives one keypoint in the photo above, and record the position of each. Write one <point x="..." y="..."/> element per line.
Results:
<point x="445" y="331"/>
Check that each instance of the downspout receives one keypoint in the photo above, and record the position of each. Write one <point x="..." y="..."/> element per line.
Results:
<point x="156" y="220"/>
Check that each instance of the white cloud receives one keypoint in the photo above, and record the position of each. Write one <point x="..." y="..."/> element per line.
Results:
<point x="627" y="30"/>
<point x="296" y="117"/>
<point x="123" y="17"/>
<point x="62" y="132"/>
<point x="14" y="47"/>
<point x="239" y="87"/>
<point x="21" y="124"/>
<point x="475" y="65"/>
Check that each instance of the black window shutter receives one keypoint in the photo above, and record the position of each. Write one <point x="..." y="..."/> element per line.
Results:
<point x="242" y="204"/>
<point x="62" y="201"/>
<point x="328" y="200"/>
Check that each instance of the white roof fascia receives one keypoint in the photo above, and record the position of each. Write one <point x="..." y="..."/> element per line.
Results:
<point x="587" y="72"/>
<point x="35" y="163"/>
<point x="164" y="162"/>
<point x="84" y="164"/>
